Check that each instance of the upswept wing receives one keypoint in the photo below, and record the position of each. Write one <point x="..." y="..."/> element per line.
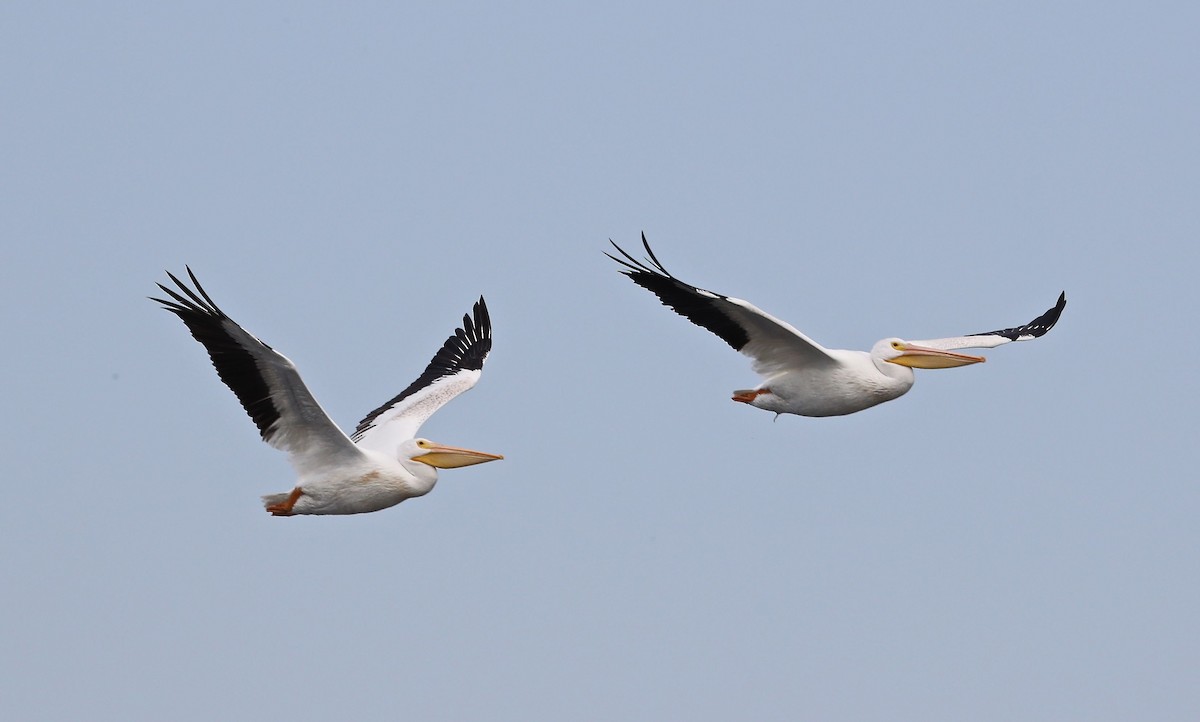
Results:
<point x="455" y="368"/>
<point x="265" y="382"/>
<point x="991" y="339"/>
<point x="772" y="344"/>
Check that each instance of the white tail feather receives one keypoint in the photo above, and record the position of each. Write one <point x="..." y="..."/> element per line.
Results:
<point x="272" y="499"/>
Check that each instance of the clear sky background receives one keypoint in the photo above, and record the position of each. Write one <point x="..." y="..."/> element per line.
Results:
<point x="1016" y="540"/>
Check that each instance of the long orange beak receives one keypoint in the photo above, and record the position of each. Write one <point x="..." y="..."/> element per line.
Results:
<point x="452" y="457"/>
<point x="923" y="357"/>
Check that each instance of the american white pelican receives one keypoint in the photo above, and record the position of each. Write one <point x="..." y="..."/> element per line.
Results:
<point x="381" y="464"/>
<point x="801" y="376"/>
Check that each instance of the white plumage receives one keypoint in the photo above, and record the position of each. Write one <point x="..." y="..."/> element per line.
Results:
<point x="383" y="463"/>
<point x="799" y="375"/>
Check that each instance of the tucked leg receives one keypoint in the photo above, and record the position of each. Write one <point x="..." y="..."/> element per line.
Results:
<point x="285" y="508"/>
<point x="749" y="395"/>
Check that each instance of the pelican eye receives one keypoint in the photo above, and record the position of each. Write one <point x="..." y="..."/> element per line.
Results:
<point x="896" y="345"/>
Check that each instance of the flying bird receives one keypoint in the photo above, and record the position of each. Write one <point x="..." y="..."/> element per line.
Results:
<point x="383" y="462"/>
<point x="800" y="376"/>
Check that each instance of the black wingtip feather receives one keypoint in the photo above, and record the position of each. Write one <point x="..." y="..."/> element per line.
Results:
<point x="686" y="300"/>
<point x="234" y="363"/>
<point x="1036" y="328"/>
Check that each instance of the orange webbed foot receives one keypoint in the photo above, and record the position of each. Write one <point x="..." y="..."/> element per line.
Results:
<point x="285" y="508"/>
<point x="749" y="395"/>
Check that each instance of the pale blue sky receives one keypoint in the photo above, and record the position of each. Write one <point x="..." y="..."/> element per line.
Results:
<point x="1016" y="540"/>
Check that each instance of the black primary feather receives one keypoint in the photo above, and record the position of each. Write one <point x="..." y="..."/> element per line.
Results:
<point x="466" y="349"/>
<point x="686" y="300"/>
<point x="1035" y="328"/>
<point x="234" y="363"/>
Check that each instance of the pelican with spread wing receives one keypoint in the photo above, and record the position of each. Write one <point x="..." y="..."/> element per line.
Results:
<point x="383" y="462"/>
<point x="800" y="376"/>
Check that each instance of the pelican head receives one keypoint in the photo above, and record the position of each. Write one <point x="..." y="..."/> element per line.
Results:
<point x="901" y="352"/>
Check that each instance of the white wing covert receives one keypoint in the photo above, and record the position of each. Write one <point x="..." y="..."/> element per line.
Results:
<point x="455" y="368"/>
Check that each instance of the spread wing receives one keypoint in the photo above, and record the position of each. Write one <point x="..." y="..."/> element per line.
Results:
<point x="455" y="368"/>
<point x="773" y="345"/>
<point x="990" y="339"/>
<point x="265" y="382"/>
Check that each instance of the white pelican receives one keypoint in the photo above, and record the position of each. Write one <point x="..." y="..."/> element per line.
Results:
<point x="381" y="464"/>
<point x="801" y="376"/>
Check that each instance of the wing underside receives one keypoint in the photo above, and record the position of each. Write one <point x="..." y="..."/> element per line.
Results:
<point x="455" y="368"/>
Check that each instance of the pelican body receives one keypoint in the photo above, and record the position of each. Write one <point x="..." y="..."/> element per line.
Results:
<point x="799" y="375"/>
<point x="383" y="462"/>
